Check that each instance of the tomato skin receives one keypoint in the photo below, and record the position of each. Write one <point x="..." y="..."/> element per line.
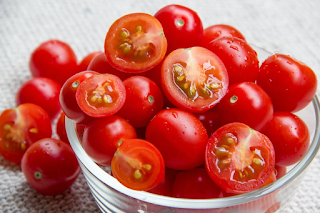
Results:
<point x="280" y="171"/>
<point x="61" y="128"/>
<point x="182" y="26"/>
<point x="41" y="91"/>
<point x="194" y="79"/>
<point x="290" y="84"/>
<point x="135" y="43"/>
<point x="247" y="103"/>
<point x="138" y="165"/>
<point x="238" y="158"/>
<point x="50" y="166"/>
<point x="196" y="184"/>
<point x="101" y="95"/>
<point x="102" y="137"/>
<point x="165" y="187"/>
<point x="21" y="127"/>
<point x="143" y="101"/>
<point x="68" y="100"/>
<point x="84" y="63"/>
<point x="180" y="137"/>
<point x="219" y="30"/>
<point x="238" y="56"/>
<point x="210" y="121"/>
<point x="290" y="137"/>
<point x="53" y="59"/>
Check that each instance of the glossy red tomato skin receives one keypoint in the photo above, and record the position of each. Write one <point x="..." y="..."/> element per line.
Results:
<point x="53" y="59"/>
<point x="219" y="30"/>
<point x="210" y="121"/>
<point x="68" y="100"/>
<point x="182" y="26"/>
<point x="238" y="56"/>
<point x="202" y="70"/>
<point x="249" y="150"/>
<point x="165" y="187"/>
<point x="41" y="91"/>
<point x="55" y="162"/>
<point x="196" y="184"/>
<point x="280" y="171"/>
<point x="290" y="137"/>
<point x="84" y="63"/>
<point x="21" y="127"/>
<point x="138" y="165"/>
<point x="247" y="103"/>
<point x="290" y="84"/>
<point x="101" y="95"/>
<point x="61" y="128"/>
<point x="180" y="137"/>
<point x="102" y="137"/>
<point x="143" y="101"/>
<point x="135" y="43"/>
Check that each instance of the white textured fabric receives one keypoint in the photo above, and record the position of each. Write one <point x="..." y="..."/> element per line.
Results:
<point x="290" y="27"/>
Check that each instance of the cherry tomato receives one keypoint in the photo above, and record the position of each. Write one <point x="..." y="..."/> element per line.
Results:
<point x="219" y="30"/>
<point x="238" y="158"/>
<point x="180" y="137"/>
<point x="181" y="25"/>
<point x="138" y="165"/>
<point x="280" y="171"/>
<point x="210" y="121"/>
<point x="61" y="128"/>
<point x="50" y="166"/>
<point x="247" y="103"/>
<point x="68" y="100"/>
<point x="270" y="179"/>
<point x="290" y="84"/>
<point x="240" y="59"/>
<point x="84" y="63"/>
<point x="194" y="79"/>
<point x="100" y="64"/>
<point x="20" y="127"/>
<point x="135" y="43"/>
<point x="41" y="91"/>
<point x="165" y="187"/>
<point x="102" y="137"/>
<point x="196" y="184"/>
<point x="53" y="59"/>
<point x="143" y="101"/>
<point x="101" y="95"/>
<point x="290" y="137"/>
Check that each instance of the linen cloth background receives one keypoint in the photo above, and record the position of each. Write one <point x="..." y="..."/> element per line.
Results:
<point x="290" y="27"/>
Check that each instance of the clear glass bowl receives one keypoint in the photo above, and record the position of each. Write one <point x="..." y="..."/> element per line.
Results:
<point x="111" y="196"/>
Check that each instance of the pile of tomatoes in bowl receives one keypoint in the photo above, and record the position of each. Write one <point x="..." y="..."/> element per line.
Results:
<point x="172" y="108"/>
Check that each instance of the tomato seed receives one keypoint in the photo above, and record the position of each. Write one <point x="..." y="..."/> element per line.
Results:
<point x="34" y="130"/>
<point x="147" y="167"/>
<point x="137" y="174"/>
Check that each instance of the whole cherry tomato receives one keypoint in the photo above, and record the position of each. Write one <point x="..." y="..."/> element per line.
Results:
<point x="61" y="128"/>
<point x="165" y="187"/>
<point x="84" y="63"/>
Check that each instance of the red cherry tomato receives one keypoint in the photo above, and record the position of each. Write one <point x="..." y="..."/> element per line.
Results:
<point x="50" y="166"/>
<point x="247" y="103"/>
<point x="271" y="179"/>
<point x="68" y="100"/>
<point x="102" y="137"/>
<point x="61" y="128"/>
<point x="181" y="25"/>
<point x="290" y="84"/>
<point x="280" y="171"/>
<point x="135" y="43"/>
<point x="41" y="91"/>
<point x="238" y="56"/>
<point x="210" y="121"/>
<point x="180" y="137"/>
<point x="143" y="101"/>
<point x="165" y="187"/>
<point x="194" y="79"/>
<point x="84" y="63"/>
<point x="138" y="165"/>
<point x="20" y="127"/>
<point x="290" y="137"/>
<point x="238" y="158"/>
<point x="53" y="59"/>
<point x="101" y="95"/>
<point x="196" y="184"/>
<point x="217" y="31"/>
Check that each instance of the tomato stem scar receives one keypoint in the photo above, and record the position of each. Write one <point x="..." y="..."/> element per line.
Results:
<point x="37" y="175"/>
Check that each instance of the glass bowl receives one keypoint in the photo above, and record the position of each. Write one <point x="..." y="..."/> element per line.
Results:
<point x="112" y="196"/>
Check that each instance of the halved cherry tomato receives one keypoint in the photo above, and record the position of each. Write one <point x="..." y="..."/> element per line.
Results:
<point x="135" y="43"/>
<point x="238" y="158"/>
<point x="194" y="79"/>
<point x="101" y="95"/>
<point x="84" y="63"/>
<point x="138" y="165"/>
<point x="20" y="127"/>
<point x="68" y="100"/>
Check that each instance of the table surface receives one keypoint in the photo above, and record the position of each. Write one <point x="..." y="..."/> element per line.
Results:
<point x="289" y="27"/>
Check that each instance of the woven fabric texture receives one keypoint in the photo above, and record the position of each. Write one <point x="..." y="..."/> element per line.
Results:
<point x="290" y="27"/>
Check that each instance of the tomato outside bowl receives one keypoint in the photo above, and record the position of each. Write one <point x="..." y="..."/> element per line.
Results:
<point x="111" y="196"/>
